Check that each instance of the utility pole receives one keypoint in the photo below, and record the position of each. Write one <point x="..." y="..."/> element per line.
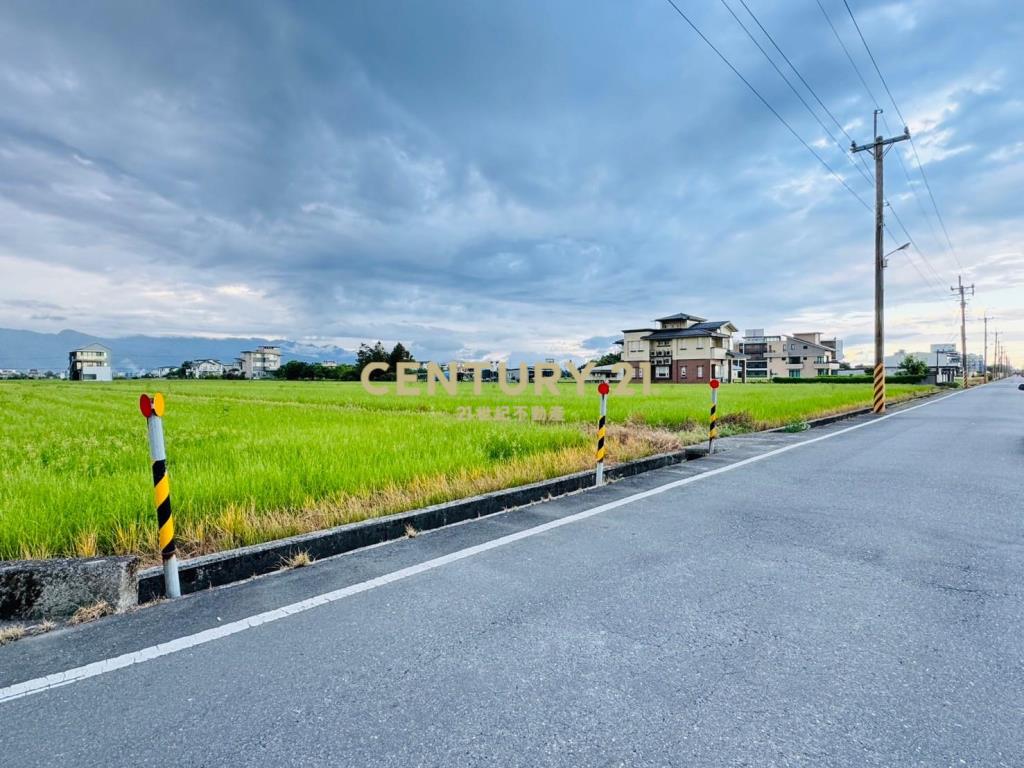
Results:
<point x="984" y="356"/>
<point x="878" y="148"/>
<point x="961" y="288"/>
<point x="995" y="373"/>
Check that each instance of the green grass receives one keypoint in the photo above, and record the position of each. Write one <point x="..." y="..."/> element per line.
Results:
<point x="250" y="461"/>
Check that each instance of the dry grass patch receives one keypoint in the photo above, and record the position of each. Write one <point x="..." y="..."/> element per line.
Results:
<point x="410" y="532"/>
<point x="298" y="560"/>
<point x="10" y="634"/>
<point x="91" y="612"/>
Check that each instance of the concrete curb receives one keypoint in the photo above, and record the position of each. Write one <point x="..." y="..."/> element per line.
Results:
<point x="34" y="590"/>
<point x="234" y="565"/>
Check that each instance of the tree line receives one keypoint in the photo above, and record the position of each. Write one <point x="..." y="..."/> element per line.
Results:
<point x="295" y="370"/>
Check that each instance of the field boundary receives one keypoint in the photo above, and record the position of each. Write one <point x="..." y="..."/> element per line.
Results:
<point x="233" y="565"/>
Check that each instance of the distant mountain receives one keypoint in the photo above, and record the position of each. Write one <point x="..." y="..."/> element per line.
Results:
<point x="49" y="351"/>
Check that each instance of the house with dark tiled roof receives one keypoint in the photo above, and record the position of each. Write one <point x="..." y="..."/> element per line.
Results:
<point x="684" y="349"/>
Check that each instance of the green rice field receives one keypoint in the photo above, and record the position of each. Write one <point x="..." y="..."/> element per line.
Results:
<point x="252" y="461"/>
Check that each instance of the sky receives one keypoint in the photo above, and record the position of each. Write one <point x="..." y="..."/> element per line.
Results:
<point x="487" y="180"/>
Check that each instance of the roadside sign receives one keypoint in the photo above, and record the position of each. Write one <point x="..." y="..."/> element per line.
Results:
<point x="714" y="383"/>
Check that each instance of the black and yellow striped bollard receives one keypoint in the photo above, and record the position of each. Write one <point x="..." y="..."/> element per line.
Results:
<point x="713" y="421"/>
<point x="878" y="404"/>
<point x="153" y="410"/>
<point x="602" y="389"/>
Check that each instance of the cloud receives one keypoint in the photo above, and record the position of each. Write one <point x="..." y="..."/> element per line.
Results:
<point x="497" y="180"/>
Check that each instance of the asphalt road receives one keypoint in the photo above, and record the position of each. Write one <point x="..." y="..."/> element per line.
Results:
<point x="855" y="600"/>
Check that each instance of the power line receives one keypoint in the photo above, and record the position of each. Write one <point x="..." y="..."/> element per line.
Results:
<point x="803" y="80"/>
<point x="913" y="243"/>
<point x="847" y="52"/>
<point x="793" y="87"/>
<point x="779" y="117"/>
<point x="767" y="104"/>
<point x="835" y="120"/>
<point x="913" y="146"/>
<point x="874" y="101"/>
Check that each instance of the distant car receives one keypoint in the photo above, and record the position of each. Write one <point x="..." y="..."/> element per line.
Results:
<point x="1020" y="386"/>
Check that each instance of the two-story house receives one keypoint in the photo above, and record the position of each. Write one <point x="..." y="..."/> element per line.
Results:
<point x="683" y="349"/>
<point x="800" y="356"/>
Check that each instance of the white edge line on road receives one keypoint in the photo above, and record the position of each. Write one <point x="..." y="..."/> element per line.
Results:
<point x="58" y="679"/>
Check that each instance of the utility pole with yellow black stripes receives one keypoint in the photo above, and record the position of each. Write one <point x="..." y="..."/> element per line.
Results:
<point x="878" y="148"/>
<point x="153" y="410"/>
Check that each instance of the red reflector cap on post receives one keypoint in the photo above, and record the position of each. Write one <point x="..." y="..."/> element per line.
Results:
<point x="146" y="405"/>
<point x="714" y="383"/>
<point x="602" y="388"/>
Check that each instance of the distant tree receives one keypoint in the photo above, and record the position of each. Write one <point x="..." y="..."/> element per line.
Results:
<point x="609" y="359"/>
<point x="367" y="354"/>
<point x="912" y="366"/>
<point x="844" y="366"/>
<point x="399" y="354"/>
<point x="293" y="370"/>
<point x="378" y="354"/>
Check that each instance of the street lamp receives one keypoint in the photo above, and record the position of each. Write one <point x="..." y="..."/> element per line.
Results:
<point x="885" y="259"/>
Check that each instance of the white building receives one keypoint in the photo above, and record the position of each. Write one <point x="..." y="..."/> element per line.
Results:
<point x="260" y="363"/>
<point x="800" y="356"/>
<point x="943" y="362"/>
<point x="206" y="369"/>
<point x="90" y="363"/>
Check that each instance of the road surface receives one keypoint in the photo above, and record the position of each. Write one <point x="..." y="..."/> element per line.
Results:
<point x="848" y="596"/>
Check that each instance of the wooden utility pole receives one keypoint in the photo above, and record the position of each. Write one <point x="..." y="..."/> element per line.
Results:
<point x="961" y="288"/>
<point x="995" y="365"/>
<point x="878" y="148"/>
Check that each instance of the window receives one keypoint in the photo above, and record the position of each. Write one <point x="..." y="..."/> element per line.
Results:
<point x="700" y="371"/>
<point x="795" y="373"/>
<point x="661" y="372"/>
<point x="682" y="372"/>
<point x="805" y="346"/>
<point x="636" y="346"/>
<point x="700" y="343"/>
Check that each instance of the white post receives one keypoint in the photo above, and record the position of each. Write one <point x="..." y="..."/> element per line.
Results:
<point x="602" y="388"/>
<point x="153" y="411"/>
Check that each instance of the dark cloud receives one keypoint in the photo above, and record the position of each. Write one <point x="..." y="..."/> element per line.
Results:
<point x="477" y="177"/>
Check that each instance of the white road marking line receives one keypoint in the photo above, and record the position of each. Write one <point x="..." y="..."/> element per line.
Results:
<point x="58" y="679"/>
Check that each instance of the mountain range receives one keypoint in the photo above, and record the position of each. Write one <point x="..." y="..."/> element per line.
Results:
<point x="22" y="350"/>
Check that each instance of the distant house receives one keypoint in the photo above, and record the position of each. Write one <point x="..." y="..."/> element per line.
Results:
<point x="90" y="363"/>
<point x="943" y="361"/>
<point x="800" y="356"/>
<point x="605" y="373"/>
<point x="260" y="363"/>
<point x="205" y="369"/>
<point x="683" y="349"/>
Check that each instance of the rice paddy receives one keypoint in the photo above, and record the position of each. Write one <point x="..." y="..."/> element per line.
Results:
<point x="253" y="461"/>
